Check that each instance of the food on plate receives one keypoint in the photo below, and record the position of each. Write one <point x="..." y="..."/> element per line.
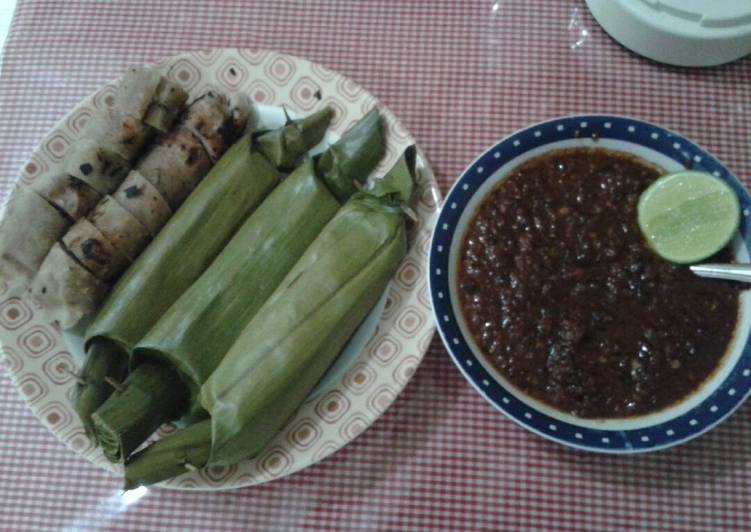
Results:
<point x="144" y="94"/>
<point x="688" y="216"/>
<point x="187" y="449"/>
<point x="142" y="384"/>
<point x="565" y="299"/>
<point x="176" y="165"/>
<point x="68" y="289"/>
<point x="185" y="247"/>
<point x="281" y="145"/>
<point x="180" y="160"/>
<point x="67" y="193"/>
<point x="123" y="230"/>
<point x="100" y="168"/>
<point x="117" y="132"/>
<point x="143" y="201"/>
<point x="194" y="334"/>
<point x="214" y="120"/>
<point x="20" y="255"/>
<point x="94" y="251"/>
<point x="93" y="166"/>
<point x="293" y="338"/>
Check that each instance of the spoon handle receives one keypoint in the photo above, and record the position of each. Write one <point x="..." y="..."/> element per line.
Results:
<point x="731" y="272"/>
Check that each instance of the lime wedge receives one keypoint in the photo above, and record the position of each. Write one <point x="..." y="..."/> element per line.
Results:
<point x="688" y="216"/>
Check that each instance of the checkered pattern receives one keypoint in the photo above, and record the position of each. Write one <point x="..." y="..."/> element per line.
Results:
<point x="459" y="75"/>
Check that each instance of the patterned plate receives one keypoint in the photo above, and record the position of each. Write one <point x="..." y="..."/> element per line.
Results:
<point x="716" y="399"/>
<point x="41" y="361"/>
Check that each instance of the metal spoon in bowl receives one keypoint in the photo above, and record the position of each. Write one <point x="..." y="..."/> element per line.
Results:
<point x="731" y="272"/>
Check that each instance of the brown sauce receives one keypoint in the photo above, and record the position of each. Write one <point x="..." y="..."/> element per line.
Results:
<point x="561" y="293"/>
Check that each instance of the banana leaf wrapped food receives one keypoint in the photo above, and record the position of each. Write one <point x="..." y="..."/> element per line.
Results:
<point x="194" y="334"/>
<point x="182" y="250"/>
<point x="146" y="95"/>
<point x="20" y="253"/>
<point x="294" y="337"/>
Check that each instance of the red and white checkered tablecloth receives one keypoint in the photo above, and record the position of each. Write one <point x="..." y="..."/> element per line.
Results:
<point x="460" y="75"/>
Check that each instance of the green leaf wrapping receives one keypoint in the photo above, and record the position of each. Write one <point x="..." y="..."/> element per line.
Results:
<point x="183" y="451"/>
<point x="284" y="146"/>
<point x="201" y="326"/>
<point x="353" y="157"/>
<point x="103" y="361"/>
<point x="297" y="333"/>
<point x="398" y="185"/>
<point x="119" y="428"/>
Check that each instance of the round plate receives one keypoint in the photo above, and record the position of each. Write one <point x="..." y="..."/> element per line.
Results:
<point x="41" y="362"/>
<point x="717" y="398"/>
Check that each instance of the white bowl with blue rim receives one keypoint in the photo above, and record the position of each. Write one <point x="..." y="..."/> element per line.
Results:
<point x="720" y="395"/>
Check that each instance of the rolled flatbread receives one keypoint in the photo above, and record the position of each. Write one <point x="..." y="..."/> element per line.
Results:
<point x="123" y="134"/>
<point x="123" y="230"/>
<point x="69" y="194"/>
<point x="92" y="249"/>
<point x="146" y="95"/>
<point x="100" y="168"/>
<point x="66" y="290"/>
<point x="29" y="228"/>
<point x="216" y="121"/>
<point x="144" y="201"/>
<point x="175" y="165"/>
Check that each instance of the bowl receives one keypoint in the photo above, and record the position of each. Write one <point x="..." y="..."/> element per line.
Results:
<point x="715" y="399"/>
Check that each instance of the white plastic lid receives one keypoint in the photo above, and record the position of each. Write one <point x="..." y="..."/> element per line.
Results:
<point x="679" y="32"/>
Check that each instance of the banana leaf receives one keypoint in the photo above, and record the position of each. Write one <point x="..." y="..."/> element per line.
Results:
<point x="199" y="328"/>
<point x="192" y="238"/>
<point x="186" y="450"/>
<point x="342" y="164"/>
<point x="282" y="146"/>
<point x="140" y="386"/>
<point x="105" y="364"/>
<point x="293" y="338"/>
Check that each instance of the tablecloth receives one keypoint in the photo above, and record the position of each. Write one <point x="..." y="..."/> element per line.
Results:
<point x="460" y="75"/>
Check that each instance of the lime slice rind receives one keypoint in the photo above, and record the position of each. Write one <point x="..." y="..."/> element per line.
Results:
<point x="688" y="216"/>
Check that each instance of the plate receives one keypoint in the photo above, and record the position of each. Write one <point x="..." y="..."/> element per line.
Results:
<point x="378" y="362"/>
<point x="716" y="398"/>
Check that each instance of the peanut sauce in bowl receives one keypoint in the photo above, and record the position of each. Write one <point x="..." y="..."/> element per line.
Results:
<point x="566" y="301"/>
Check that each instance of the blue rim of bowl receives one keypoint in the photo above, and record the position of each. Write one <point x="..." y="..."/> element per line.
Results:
<point x="709" y="413"/>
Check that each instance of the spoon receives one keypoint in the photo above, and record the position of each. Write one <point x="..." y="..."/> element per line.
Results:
<point x="731" y="272"/>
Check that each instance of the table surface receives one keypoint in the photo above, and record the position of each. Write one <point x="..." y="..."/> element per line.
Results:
<point x="460" y="75"/>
